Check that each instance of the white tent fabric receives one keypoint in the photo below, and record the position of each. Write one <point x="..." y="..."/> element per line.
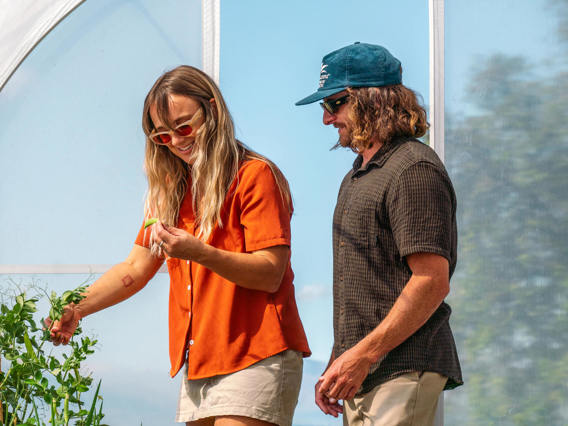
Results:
<point x="23" y="24"/>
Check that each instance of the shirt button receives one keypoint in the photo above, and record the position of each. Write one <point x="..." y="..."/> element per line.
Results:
<point x="189" y="287"/>
<point x="188" y="262"/>
<point x="341" y="243"/>
<point x="341" y="278"/>
<point x="191" y="342"/>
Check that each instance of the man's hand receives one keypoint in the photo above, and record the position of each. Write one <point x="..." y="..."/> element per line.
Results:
<point x="61" y="331"/>
<point x="344" y="376"/>
<point x="327" y="405"/>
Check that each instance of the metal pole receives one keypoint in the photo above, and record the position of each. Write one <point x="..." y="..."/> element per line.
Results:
<point x="60" y="269"/>
<point x="436" y="30"/>
<point x="210" y="30"/>
<point x="436" y="25"/>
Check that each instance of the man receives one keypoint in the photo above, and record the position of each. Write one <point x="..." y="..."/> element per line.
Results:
<point x="394" y="249"/>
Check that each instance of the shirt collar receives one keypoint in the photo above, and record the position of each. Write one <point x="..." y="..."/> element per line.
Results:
<point x="380" y="157"/>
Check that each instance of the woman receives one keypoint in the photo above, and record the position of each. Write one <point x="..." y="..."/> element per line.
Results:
<point x="224" y="230"/>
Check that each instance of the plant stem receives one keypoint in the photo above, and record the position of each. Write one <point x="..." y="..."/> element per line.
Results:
<point x="53" y="412"/>
<point x="25" y="410"/>
<point x="16" y="408"/>
<point x="66" y="409"/>
<point x="36" y="413"/>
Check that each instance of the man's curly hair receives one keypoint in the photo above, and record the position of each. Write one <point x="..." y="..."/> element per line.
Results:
<point x="380" y="114"/>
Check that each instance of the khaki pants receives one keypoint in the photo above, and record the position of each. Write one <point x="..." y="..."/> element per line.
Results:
<point x="408" y="400"/>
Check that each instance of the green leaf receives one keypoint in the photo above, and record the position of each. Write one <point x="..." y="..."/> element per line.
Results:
<point x="33" y="325"/>
<point x="82" y="387"/>
<point x="29" y="347"/>
<point x="66" y="297"/>
<point x="150" y="222"/>
<point x="30" y="306"/>
<point x="11" y="355"/>
<point x="89" y="419"/>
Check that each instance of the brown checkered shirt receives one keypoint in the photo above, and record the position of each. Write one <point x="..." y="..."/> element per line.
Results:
<point x="401" y="202"/>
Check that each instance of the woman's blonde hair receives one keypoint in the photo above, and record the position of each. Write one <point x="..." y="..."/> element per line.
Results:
<point x="215" y="157"/>
<point x="380" y="114"/>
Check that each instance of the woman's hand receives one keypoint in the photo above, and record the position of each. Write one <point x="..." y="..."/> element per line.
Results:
<point x="257" y="270"/>
<point x="178" y="243"/>
<point x="61" y="331"/>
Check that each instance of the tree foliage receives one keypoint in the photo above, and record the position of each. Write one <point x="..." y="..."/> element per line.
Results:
<point x="508" y="158"/>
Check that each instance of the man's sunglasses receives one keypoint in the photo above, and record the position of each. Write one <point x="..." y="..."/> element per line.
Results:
<point x="332" y="105"/>
<point x="183" y="130"/>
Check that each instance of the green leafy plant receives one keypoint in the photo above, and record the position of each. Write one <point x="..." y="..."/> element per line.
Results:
<point x="37" y="382"/>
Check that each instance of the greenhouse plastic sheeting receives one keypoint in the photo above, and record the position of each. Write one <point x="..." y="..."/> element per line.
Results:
<point x="23" y="24"/>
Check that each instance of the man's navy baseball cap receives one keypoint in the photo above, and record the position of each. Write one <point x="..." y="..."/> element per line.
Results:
<point x="356" y="65"/>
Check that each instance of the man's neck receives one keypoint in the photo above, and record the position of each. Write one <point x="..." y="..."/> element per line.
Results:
<point x="368" y="153"/>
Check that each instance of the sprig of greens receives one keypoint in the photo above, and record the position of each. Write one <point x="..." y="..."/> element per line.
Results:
<point x="150" y="222"/>
<point x="37" y="382"/>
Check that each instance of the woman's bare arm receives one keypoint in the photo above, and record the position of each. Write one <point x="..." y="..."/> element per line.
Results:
<point x="117" y="284"/>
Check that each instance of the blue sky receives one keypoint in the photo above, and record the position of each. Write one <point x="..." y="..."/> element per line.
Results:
<point x="72" y="185"/>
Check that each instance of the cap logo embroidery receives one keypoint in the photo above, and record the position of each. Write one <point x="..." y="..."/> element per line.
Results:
<point x="324" y="75"/>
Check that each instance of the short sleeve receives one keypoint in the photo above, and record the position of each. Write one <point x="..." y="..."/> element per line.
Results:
<point x="421" y="208"/>
<point x="265" y="217"/>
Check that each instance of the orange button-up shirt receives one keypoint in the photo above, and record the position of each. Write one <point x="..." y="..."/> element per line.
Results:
<point x="226" y="327"/>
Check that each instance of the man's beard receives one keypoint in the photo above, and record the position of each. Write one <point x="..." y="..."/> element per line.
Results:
<point x="345" y="139"/>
